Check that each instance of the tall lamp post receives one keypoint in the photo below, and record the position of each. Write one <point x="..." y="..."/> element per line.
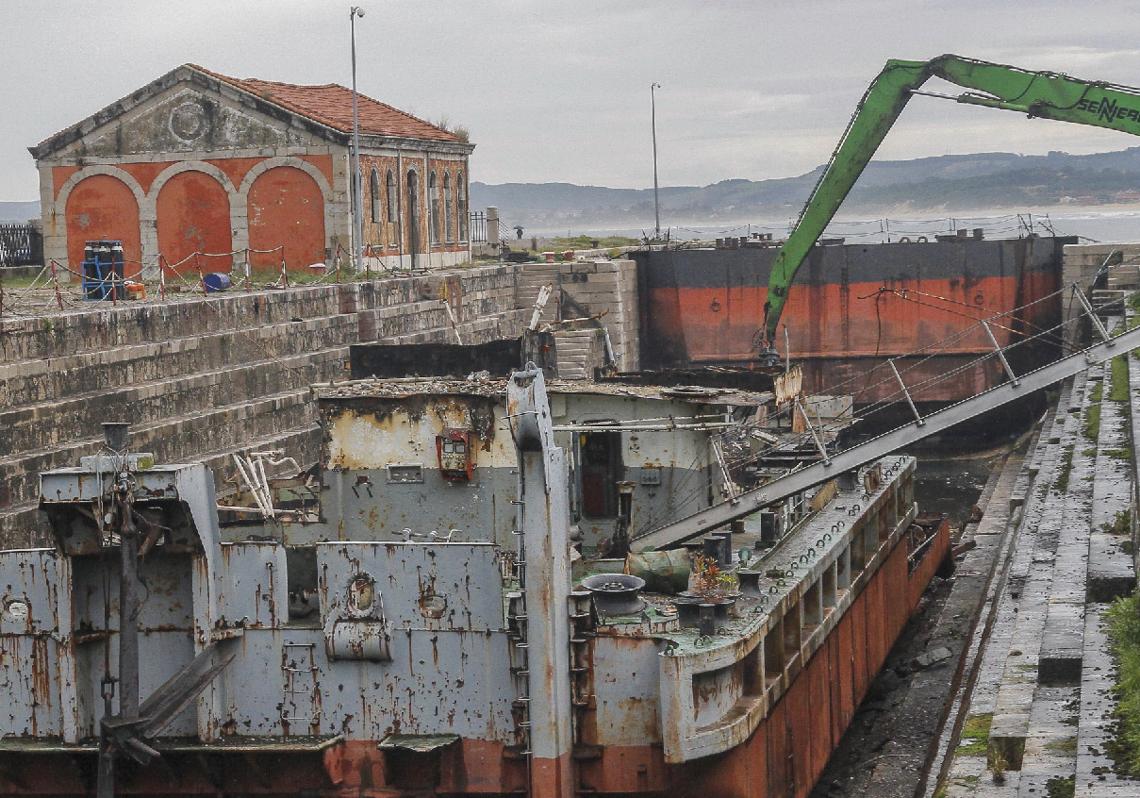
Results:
<point x="653" y="124"/>
<point x="357" y="190"/>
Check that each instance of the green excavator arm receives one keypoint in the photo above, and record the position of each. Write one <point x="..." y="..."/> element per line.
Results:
<point x="1048" y="95"/>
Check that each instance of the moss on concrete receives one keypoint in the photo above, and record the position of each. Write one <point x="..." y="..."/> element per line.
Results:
<point x="1061" y="787"/>
<point x="975" y="735"/>
<point x="1067" y="745"/>
<point x="1119" y="391"/>
<point x="1123" y="454"/>
<point x="1091" y="426"/>
<point x="1121" y="523"/>
<point x="1066" y="468"/>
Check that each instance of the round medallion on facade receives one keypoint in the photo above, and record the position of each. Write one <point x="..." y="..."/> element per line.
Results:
<point x="188" y="121"/>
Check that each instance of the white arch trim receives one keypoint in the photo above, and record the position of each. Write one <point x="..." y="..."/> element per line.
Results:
<point x="190" y="166"/>
<point x="287" y="160"/>
<point x="242" y="197"/>
<point x="101" y="169"/>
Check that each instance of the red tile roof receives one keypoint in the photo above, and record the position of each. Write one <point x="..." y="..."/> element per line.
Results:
<point x="331" y="105"/>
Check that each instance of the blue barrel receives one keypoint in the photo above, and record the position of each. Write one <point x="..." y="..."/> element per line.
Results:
<point x="216" y="281"/>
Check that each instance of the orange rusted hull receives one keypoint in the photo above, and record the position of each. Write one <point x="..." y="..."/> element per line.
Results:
<point x="784" y="756"/>
<point x="852" y="307"/>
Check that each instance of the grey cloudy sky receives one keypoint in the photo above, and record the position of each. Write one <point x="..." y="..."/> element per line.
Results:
<point x="559" y="90"/>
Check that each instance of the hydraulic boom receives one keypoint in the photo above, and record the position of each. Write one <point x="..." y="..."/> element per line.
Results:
<point x="1048" y="95"/>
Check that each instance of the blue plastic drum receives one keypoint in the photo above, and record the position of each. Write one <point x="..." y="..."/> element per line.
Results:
<point x="216" y="281"/>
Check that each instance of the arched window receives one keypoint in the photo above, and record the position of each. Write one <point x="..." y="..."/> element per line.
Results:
<point x="374" y="190"/>
<point x="433" y="208"/>
<point x="392" y="198"/>
<point x="449" y="231"/>
<point x="461" y="205"/>
<point x="413" y="214"/>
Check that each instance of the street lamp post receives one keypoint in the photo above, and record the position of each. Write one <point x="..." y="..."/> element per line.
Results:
<point x="357" y="190"/>
<point x="653" y="124"/>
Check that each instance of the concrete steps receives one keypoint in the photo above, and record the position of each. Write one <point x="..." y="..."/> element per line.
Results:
<point x="241" y="373"/>
<point x="1045" y="680"/>
<point x="1030" y="580"/>
<point x="578" y="352"/>
<point x="51" y="423"/>
<point x="201" y="378"/>
<point x="27" y="382"/>
<point x="968" y="774"/>
<point x="173" y="439"/>
<point x="1094" y="776"/>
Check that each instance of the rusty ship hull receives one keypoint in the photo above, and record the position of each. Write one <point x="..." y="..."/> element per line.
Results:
<point x="853" y="306"/>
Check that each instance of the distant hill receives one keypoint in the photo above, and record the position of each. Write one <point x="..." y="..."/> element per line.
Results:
<point x="19" y="211"/>
<point x="943" y="183"/>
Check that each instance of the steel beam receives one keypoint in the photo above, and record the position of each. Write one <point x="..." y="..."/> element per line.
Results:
<point x="789" y="485"/>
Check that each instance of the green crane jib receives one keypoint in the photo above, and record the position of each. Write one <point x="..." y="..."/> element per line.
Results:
<point x="1048" y="95"/>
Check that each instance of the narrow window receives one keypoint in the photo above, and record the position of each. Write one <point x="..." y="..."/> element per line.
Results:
<point x="449" y="231"/>
<point x="413" y="215"/>
<point x="461" y="205"/>
<point x="433" y="208"/>
<point x="374" y="190"/>
<point x="391" y="196"/>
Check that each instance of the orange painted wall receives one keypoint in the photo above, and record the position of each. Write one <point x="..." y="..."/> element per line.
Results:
<point x="101" y="206"/>
<point x="59" y="176"/>
<point x="285" y="206"/>
<point x="194" y="216"/>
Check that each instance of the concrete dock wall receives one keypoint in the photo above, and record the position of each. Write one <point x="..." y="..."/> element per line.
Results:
<point x="202" y="378"/>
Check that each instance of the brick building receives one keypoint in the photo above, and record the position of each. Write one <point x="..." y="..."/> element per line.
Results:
<point x="200" y="162"/>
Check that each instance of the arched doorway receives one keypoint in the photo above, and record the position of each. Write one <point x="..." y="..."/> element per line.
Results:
<point x="285" y="207"/>
<point x="413" y="217"/>
<point x="193" y="215"/>
<point x="103" y="207"/>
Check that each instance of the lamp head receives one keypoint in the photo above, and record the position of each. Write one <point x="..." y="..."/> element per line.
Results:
<point x="356" y="11"/>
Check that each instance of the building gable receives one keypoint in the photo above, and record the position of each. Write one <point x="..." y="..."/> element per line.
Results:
<point x="184" y="111"/>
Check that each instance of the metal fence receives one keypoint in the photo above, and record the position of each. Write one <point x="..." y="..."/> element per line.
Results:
<point x="20" y="245"/>
<point x="479" y="227"/>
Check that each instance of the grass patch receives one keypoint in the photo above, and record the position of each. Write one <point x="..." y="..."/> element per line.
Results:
<point x="1061" y="787"/>
<point x="1124" y="454"/>
<point x="1062" y="483"/>
<point x="1067" y="745"/>
<point x="1121" y="523"/>
<point x="587" y="242"/>
<point x="1124" y="641"/>
<point x="1091" y="427"/>
<point x="975" y="735"/>
<point x="1119" y="391"/>
<point x="11" y="282"/>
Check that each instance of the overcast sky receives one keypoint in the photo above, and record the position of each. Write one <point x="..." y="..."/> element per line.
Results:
<point x="559" y="91"/>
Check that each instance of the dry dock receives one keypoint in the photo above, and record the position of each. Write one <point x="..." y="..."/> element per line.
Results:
<point x="1035" y="715"/>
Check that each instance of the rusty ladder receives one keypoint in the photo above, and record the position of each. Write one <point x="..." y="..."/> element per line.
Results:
<point x="517" y="624"/>
<point x="581" y="630"/>
<point x="292" y="671"/>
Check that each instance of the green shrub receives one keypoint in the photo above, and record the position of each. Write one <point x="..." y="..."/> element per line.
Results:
<point x="1124" y="640"/>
